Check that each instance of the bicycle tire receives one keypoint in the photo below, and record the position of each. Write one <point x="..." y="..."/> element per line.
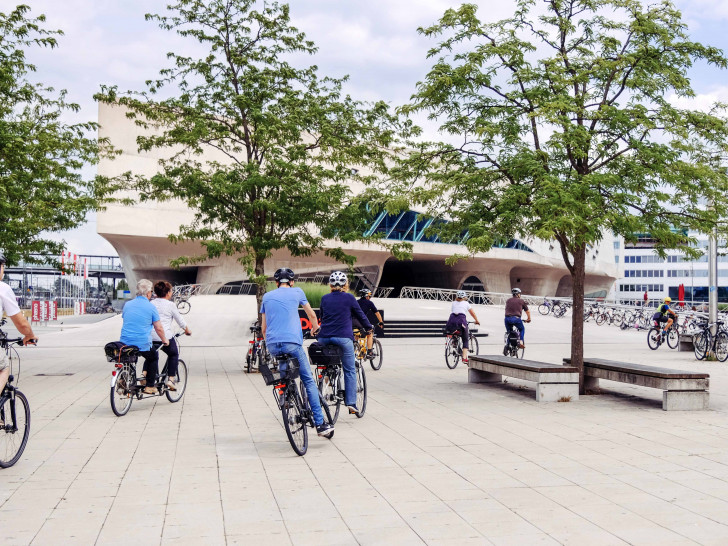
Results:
<point x="329" y="386"/>
<point x="601" y="317"/>
<point x="519" y="351"/>
<point x="121" y="396"/>
<point x="653" y="338"/>
<point x="721" y="346"/>
<point x="544" y="309"/>
<point x="181" y="378"/>
<point x="293" y="421"/>
<point x="701" y="344"/>
<point x="673" y="338"/>
<point x="14" y="436"/>
<point x="249" y="362"/>
<point x="376" y="361"/>
<point x="473" y="345"/>
<point x="361" y="389"/>
<point x="452" y="357"/>
<point x="184" y="307"/>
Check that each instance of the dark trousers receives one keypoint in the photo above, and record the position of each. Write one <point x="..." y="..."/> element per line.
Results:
<point x="151" y="366"/>
<point x="172" y="351"/>
<point x="460" y="322"/>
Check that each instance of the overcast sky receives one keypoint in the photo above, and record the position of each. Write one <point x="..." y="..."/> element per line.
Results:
<point x="375" y="42"/>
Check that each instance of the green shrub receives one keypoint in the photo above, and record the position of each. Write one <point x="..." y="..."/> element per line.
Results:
<point x="314" y="291"/>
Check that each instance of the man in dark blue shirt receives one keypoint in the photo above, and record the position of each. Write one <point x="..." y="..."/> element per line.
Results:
<point x="372" y="313"/>
<point x="337" y="310"/>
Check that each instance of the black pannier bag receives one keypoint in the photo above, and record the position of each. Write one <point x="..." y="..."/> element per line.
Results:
<point x="116" y="351"/>
<point x="324" y="355"/>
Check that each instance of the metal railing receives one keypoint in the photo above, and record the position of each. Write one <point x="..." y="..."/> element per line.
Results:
<point x="382" y="291"/>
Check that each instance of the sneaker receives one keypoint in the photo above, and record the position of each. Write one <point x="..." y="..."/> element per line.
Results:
<point x="324" y="430"/>
<point x="150" y="390"/>
<point x="371" y="353"/>
<point x="353" y="409"/>
<point x="465" y="360"/>
<point x="171" y="385"/>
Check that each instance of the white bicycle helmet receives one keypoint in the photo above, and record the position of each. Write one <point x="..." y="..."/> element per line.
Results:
<point x="461" y="294"/>
<point x="515" y="291"/>
<point x="338" y="278"/>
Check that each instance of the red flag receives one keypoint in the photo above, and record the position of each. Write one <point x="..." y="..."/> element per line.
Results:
<point x="85" y="268"/>
<point x="75" y="263"/>
<point x="63" y="262"/>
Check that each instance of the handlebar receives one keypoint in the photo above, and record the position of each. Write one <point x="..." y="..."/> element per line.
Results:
<point x="18" y="340"/>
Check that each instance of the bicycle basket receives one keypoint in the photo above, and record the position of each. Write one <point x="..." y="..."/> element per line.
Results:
<point x="324" y="355"/>
<point x="287" y="369"/>
<point x="116" y="351"/>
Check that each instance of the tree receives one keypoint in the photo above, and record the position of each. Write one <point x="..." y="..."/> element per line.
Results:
<point x="565" y="130"/>
<point x="285" y="140"/>
<point x="41" y="188"/>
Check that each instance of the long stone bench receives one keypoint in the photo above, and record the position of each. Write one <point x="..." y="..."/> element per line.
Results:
<point x="553" y="382"/>
<point x="682" y="390"/>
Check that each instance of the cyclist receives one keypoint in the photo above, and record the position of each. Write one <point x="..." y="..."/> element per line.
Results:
<point x="337" y="309"/>
<point x="370" y="310"/>
<point x="515" y="306"/>
<point x="167" y="313"/>
<point x="665" y="315"/>
<point x="9" y="306"/>
<point x="459" y="321"/>
<point x="281" y="328"/>
<point x="140" y="318"/>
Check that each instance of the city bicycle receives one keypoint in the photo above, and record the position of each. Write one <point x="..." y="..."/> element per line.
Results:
<point x="293" y="402"/>
<point x="257" y="351"/>
<point x="454" y="346"/>
<point x="546" y="307"/>
<point x="705" y="343"/>
<point x="655" y="336"/>
<point x="360" y="349"/>
<point x="512" y="340"/>
<point x="183" y="304"/>
<point x="330" y="381"/>
<point x="125" y="385"/>
<point x="14" y="407"/>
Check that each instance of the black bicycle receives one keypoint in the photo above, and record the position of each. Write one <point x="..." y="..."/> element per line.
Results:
<point x="125" y="385"/>
<point x="656" y="336"/>
<point x="513" y="343"/>
<point x="257" y="351"/>
<point x="330" y="374"/>
<point x="293" y="401"/>
<point x="705" y="343"/>
<point x="14" y="407"/>
<point x="454" y="345"/>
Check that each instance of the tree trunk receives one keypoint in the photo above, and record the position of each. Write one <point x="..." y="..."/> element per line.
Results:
<point x="260" y="280"/>
<point x="577" y="318"/>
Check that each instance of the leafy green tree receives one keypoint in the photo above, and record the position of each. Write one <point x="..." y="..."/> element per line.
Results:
<point x="560" y="126"/>
<point x="41" y="187"/>
<point x="260" y="149"/>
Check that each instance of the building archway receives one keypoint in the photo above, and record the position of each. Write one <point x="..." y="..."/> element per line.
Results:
<point x="473" y="283"/>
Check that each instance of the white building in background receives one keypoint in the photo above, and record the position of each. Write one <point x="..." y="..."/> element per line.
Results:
<point x="140" y="233"/>
<point x="642" y="270"/>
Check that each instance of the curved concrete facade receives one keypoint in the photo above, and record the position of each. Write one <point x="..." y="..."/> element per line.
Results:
<point x="140" y="235"/>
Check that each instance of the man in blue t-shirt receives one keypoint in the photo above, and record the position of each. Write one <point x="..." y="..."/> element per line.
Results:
<point x="372" y="313"/>
<point x="140" y="316"/>
<point x="281" y="328"/>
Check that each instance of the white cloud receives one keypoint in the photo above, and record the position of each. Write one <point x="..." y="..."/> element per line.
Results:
<point x="703" y="9"/>
<point x="702" y="101"/>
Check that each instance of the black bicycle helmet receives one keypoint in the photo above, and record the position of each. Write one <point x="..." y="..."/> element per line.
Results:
<point x="284" y="274"/>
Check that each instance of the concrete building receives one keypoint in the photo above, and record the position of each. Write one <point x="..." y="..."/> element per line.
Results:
<point x="140" y="235"/>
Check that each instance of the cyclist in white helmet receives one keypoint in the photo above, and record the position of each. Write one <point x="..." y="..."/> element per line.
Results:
<point x="458" y="320"/>
<point x="515" y="306"/>
<point x="337" y="309"/>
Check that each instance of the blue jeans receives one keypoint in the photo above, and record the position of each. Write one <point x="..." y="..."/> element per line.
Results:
<point x="296" y="350"/>
<point x="519" y="324"/>
<point x="347" y="360"/>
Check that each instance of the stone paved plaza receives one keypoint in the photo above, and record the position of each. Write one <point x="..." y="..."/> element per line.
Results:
<point x="435" y="460"/>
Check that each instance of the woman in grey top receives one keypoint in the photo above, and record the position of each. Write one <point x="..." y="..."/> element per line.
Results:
<point x="168" y="313"/>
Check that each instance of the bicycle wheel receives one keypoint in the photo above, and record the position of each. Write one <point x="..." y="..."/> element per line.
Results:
<point x="376" y="361"/>
<point x="361" y="389"/>
<point x="721" y="346"/>
<point x="673" y="338"/>
<point x="701" y="344"/>
<point x="452" y="354"/>
<point x="184" y="307"/>
<point x="329" y="385"/>
<point x="544" y="309"/>
<point x="559" y="311"/>
<point x="181" y="380"/>
<point x="473" y="345"/>
<point x="122" y="395"/>
<point x="518" y="351"/>
<point x="14" y="434"/>
<point x="293" y="420"/>
<point x="601" y="317"/>
<point x="653" y="338"/>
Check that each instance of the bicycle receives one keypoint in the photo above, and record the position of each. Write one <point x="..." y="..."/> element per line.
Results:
<point x="655" y="337"/>
<point x="15" y="418"/>
<point x="454" y="345"/>
<point x="360" y="349"/>
<point x="513" y="342"/>
<point x="124" y="384"/>
<point x="705" y="342"/>
<point x="546" y="307"/>
<point x="257" y="351"/>
<point x="330" y="375"/>
<point x="183" y="304"/>
<point x="293" y="401"/>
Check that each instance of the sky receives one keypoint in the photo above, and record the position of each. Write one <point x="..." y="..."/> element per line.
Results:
<point x="375" y="42"/>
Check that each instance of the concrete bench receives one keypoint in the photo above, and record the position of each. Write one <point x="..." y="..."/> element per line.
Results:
<point x="682" y="390"/>
<point x="685" y="343"/>
<point x="553" y="382"/>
